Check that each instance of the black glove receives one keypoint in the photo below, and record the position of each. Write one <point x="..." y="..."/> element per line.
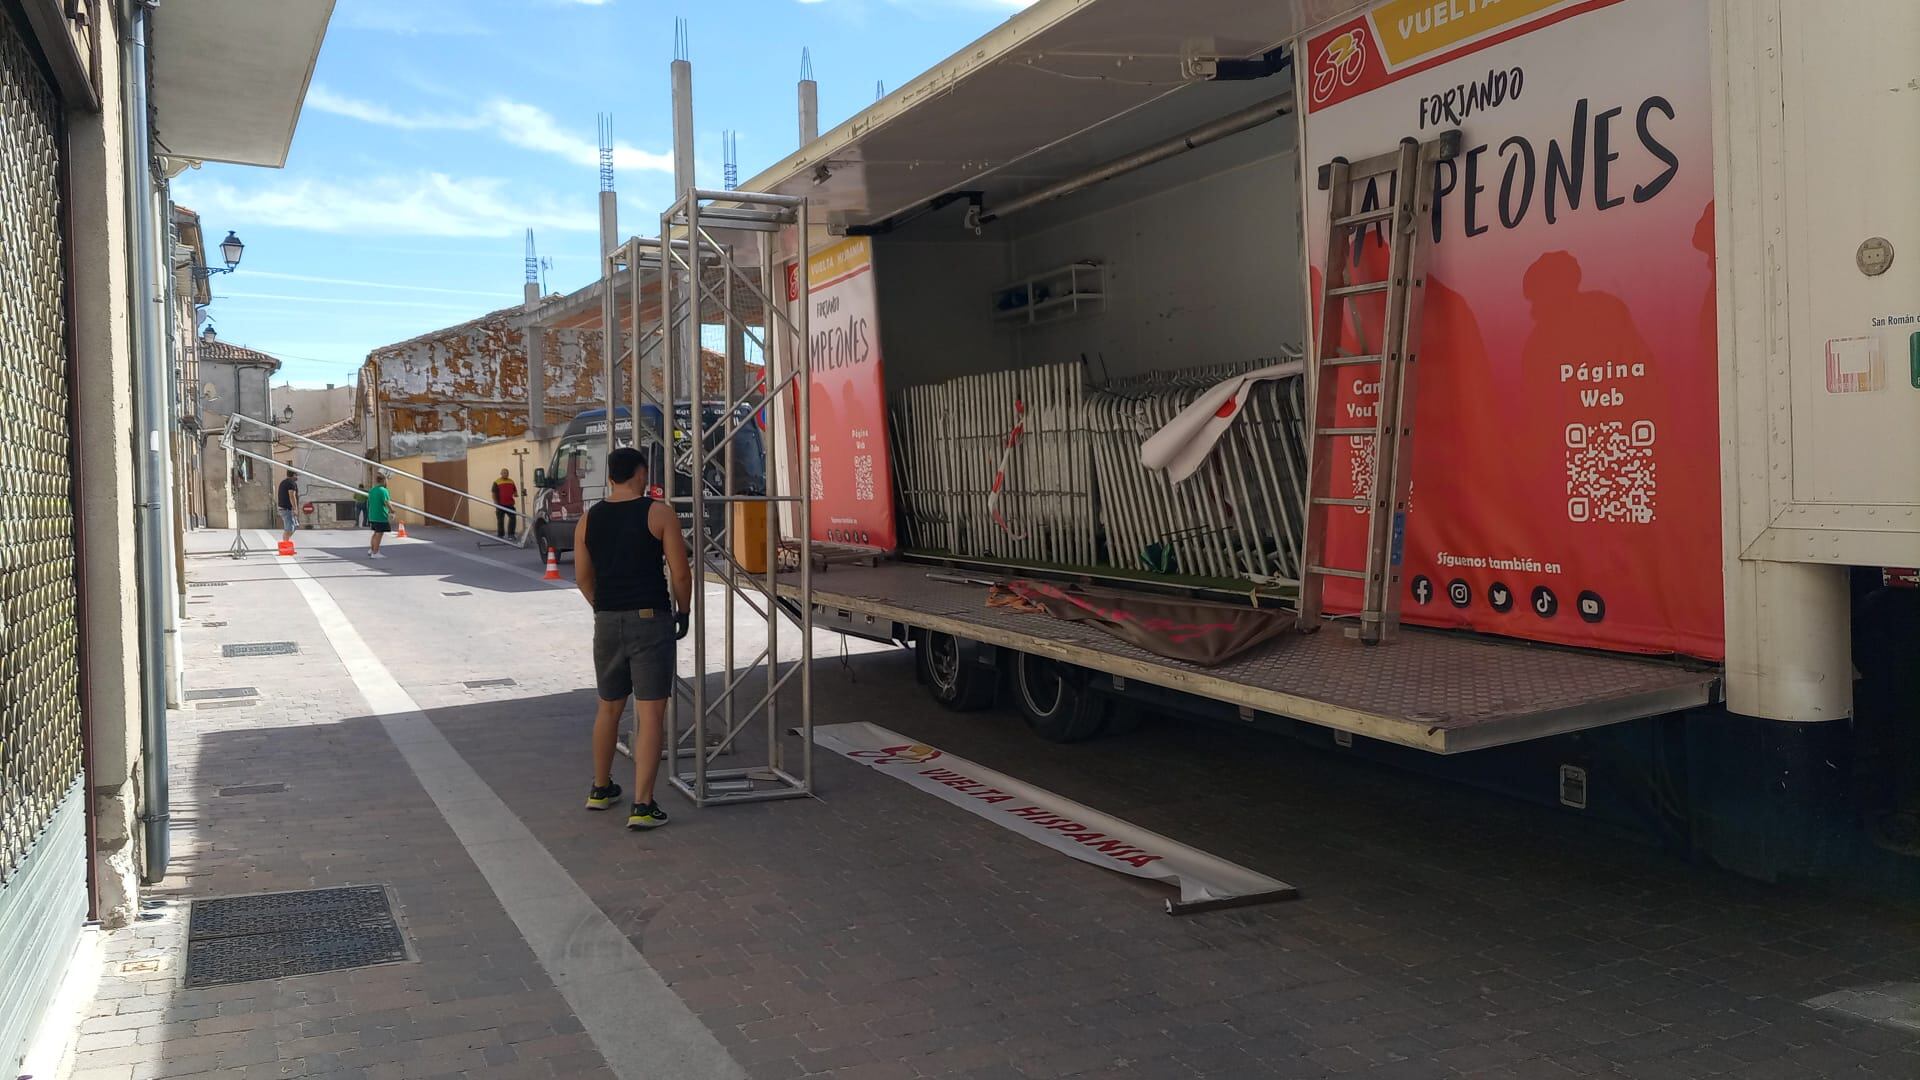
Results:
<point x="681" y="620"/>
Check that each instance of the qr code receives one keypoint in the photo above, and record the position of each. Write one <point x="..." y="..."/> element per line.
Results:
<point x="816" y="480"/>
<point x="1611" y="472"/>
<point x="863" y="477"/>
<point x="1360" y="467"/>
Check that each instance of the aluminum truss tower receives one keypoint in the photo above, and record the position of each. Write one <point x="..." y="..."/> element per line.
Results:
<point x="715" y="261"/>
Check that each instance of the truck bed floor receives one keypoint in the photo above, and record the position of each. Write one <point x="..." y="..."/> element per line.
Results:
<point x="1436" y="691"/>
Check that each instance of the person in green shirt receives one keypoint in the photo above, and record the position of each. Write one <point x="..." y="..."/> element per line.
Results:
<point x="377" y="516"/>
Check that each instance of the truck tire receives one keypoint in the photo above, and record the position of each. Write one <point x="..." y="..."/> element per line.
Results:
<point x="1055" y="700"/>
<point x="953" y="672"/>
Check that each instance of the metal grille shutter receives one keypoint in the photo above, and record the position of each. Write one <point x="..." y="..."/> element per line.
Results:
<point x="39" y="673"/>
<point x="42" y="794"/>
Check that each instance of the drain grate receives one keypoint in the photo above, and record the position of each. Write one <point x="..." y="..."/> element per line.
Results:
<point x="212" y="623"/>
<point x="222" y="692"/>
<point x="260" y="648"/>
<point x="481" y="684"/>
<point x="462" y="592"/>
<point x="207" y="584"/>
<point x="242" y="703"/>
<point x="252" y="789"/>
<point x="246" y="938"/>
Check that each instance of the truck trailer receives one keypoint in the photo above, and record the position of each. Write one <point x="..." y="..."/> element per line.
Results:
<point x="1662" y="455"/>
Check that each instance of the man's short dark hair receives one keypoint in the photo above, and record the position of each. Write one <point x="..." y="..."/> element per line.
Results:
<point x="379" y="478"/>
<point x="623" y="463"/>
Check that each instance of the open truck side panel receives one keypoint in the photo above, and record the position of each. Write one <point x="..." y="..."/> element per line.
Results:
<point x="1766" y="291"/>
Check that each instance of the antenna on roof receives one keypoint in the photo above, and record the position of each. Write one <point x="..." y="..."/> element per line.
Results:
<point x="730" y="154"/>
<point x="809" y="99"/>
<point x="606" y="151"/>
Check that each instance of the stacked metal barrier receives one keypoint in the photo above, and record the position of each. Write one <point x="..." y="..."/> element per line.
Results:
<point x="948" y="446"/>
<point x="1075" y="493"/>
<point x="1239" y="516"/>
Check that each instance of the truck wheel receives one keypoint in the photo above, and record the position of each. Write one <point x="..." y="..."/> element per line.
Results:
<point x="1055" y="700"/>
<point x="952" y="673"/>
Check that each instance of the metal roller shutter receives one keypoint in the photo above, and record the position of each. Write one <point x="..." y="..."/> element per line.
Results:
<point x="42" y="836"/>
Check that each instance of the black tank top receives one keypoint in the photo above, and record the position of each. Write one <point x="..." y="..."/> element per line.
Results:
<point x="629" y="565"/>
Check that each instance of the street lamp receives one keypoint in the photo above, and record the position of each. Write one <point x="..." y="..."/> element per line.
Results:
<point x="230" y="251"/>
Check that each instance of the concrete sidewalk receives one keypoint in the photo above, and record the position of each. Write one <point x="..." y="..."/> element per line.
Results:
<point x="876" y="932"/>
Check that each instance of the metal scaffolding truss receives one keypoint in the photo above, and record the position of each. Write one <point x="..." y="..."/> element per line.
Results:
<point x="716" y="257"/>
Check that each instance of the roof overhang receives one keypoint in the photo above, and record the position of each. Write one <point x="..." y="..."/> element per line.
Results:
<point x="230" y="76"/>
<point x="1051" y="93"/>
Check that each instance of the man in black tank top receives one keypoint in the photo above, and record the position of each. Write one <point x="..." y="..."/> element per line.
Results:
<point x="628" y="552"/>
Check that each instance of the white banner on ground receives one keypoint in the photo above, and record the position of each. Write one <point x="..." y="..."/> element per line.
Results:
<point x="1062" y="824"/>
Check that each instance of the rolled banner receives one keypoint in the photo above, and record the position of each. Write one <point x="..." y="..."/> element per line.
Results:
<point x="1186" y="440"/>
<point x="1205" y="881"/>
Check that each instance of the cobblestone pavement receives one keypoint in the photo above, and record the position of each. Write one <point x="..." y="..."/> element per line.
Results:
<point x="876" y="932"/>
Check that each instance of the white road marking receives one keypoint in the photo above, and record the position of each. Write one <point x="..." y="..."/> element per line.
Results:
<point x="639" y="1025"/>
<point x="1894" y="1005"/>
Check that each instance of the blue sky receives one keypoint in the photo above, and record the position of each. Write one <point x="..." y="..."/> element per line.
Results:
<point x="437" y="131"/>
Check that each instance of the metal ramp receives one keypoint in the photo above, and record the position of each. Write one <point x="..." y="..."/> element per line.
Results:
<point x="1436" y="691"/>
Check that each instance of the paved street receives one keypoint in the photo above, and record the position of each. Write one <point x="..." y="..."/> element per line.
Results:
<point x="876" y="932"/>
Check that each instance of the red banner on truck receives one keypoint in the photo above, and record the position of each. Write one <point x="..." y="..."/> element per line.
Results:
<point x="849" y="476"/>
<point x="1565" y="450"/>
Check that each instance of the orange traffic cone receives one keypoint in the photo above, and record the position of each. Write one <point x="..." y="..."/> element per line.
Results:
<point x="400" y="529"/>
<point x="286" y="547"/>
<point x="553" y="565"/>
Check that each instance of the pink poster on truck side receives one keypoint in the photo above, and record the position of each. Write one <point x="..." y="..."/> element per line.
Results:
<point x="1566" y="469"/>
<point x="849" y="474"/>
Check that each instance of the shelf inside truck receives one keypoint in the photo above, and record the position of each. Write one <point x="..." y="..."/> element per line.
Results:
<point x="1442" y="692"/>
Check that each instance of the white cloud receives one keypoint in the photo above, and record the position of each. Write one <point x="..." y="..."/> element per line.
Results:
<point x="414" y="18"/>
<point x="516" y="123"/>
<point x="381" y="285"/>
<point x="423" y="204"/>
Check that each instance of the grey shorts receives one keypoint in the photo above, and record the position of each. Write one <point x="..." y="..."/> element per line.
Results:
<point x="633" y="654"/>
<point x="286" y="518"/>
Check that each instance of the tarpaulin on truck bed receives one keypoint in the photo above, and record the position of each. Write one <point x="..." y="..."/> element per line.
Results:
<point x="1197" y="631"/>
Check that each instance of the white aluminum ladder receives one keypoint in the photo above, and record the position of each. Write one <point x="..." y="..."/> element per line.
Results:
<point x="1411" y="168"/>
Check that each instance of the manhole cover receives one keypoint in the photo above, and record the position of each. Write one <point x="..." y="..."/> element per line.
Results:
<point x="481" y="684"/>
<point x="260" y="648"/>
<point x="222" y="692"/>
<point x="245" y="938"/>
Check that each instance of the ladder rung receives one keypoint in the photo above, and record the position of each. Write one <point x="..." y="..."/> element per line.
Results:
<point x="1333" y="432"/>
<point x="1365" y="217"/>
<point x="1356" y="290"/>
<point x="1336" y="571"/>
<point x="1323" y="500"/>
<point x="1346" y="361"/>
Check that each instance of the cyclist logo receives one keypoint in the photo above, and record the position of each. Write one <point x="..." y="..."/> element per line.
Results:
<point x="1339" y="64"/>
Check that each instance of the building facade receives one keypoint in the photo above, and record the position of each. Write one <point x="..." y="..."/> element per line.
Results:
<point x="236" y="379"/>
<point x="100" y="101"/>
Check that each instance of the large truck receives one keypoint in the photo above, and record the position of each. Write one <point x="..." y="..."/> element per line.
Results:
<point x="1664" y="446"/>
<point x="575" y="478"/>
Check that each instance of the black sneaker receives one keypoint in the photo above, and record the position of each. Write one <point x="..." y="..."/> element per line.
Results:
<point x="603" y="798"/>
<point x="646" y="816"/>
